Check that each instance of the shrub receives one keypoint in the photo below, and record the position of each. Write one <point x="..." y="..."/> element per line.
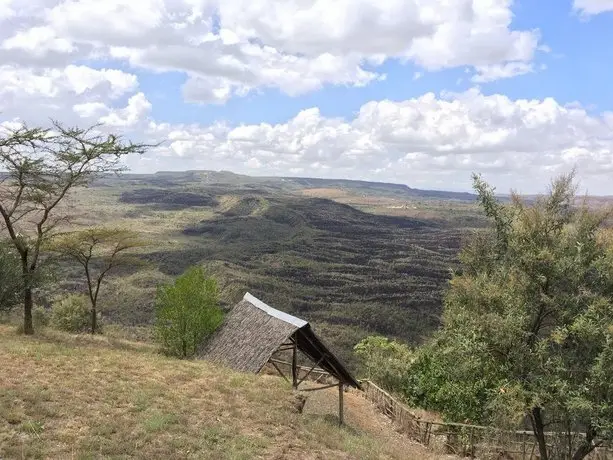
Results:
<point x="386" y="362"/>
<point x="11" y="281"/>
<point x="187" y="313"/>
<point x="71" y="314"/>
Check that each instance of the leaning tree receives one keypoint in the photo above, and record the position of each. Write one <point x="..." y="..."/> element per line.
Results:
<point x="38" y="169"/>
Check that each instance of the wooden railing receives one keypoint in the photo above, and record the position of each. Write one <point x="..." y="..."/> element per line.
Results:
<point x="462" y="439"/>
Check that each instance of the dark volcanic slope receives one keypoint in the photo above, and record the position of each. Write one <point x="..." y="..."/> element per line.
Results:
<point x="350" y="271"/>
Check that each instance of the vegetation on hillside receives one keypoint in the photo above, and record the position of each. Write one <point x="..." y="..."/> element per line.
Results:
<point x="349" y="272"/>
<point x="41" y="166"/>
<point x="99" y="251"/>
<point x="187" y="313"/>
<point x="527" y="331"/>
<point x="11" y="281"/>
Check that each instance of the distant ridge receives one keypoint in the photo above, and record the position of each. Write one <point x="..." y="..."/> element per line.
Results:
<point x="399" y="189"/>
<point x="355" y="186"/>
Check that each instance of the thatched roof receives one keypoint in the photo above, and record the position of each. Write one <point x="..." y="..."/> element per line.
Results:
<point x="252" y="331"/>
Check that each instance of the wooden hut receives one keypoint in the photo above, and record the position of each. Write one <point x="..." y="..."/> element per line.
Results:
<point x="253" y="333"/>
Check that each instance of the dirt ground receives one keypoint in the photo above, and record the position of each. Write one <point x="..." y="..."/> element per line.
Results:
<point x="362" y="416"/>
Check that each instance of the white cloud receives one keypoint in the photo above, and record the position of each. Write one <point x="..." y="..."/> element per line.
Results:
<point x="592" y="7"/>
<point x="6" y="10"/>
<point x="129" y="117"/>
<point x="417" y="141"/>
<point x="437" y="34"/>
<point x="489" y="73"/>
<point x="72" y="79"/>
<point x="38" y="40"/>
<point x="232" y="47"/>
<point x="35" y="95"/>
<point x="236" y="47"/>
<point x="135" y="112"/>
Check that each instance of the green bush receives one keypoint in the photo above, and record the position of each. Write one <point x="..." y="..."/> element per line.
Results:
<point x="71" y="314"/>
<point x="11" y="281"/>
<point x="187" y="313"/>
<point x="386" y="362"/>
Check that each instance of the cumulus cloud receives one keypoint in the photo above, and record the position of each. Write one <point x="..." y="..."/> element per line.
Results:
<point x="592" y="7"/>
<point x="128" y="117"/>
<point x="231" y="47"/>
<point x="426" y="140"/>
<point x="35" y="94"/>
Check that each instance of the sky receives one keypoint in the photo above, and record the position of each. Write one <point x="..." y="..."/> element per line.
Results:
<point x="418" y="92"/>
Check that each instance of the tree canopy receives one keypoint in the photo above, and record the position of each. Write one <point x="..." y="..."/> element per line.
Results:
<point x="527" y="329"/>
<point x="99" y="251"/>
<point x="40" y="166"/>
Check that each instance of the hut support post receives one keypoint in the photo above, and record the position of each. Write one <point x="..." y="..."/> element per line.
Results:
<point x="294" y="367"/>
<point x="341" y="405"/>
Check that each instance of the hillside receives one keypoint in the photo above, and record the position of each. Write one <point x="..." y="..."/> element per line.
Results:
<point x="354" y="258"/>
<point x="67" y="396"/>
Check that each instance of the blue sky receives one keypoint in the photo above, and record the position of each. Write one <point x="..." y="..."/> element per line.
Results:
<point x="421" y="93"/>
<point x="579" y="67"/>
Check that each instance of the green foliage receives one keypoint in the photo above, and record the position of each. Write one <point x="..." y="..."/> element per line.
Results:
<point x="99" y="251"/>
<point x="528" y="324"/>
<point x="385" y="361"/>
<point x="187" y="313"/>
<point x="40" y="166"/>
<point x="71" y="314"/>
<point x="11" y="280"/>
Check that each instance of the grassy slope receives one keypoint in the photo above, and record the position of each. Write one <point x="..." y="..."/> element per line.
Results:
<point x="63" y="397"/>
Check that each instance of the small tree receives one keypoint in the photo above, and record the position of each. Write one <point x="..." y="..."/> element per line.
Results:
<point x="99" y="251"/>
<point x="528" y="325"/>
<point x="187" y="313"/>
<point x="385" y="361"/>
<point x="41" y="166"/>
<point x="11" y="282"/>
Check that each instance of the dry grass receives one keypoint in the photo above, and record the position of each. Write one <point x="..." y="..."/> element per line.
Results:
<point x="65" y="396"/>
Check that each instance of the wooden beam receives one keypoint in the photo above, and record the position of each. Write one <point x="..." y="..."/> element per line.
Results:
<point x="310" y="370"/>
<point x="320" y="388"/>
<point x="294" y="363"/>
<point x="285" y="348"/>
<point x="279" y="371"/>
<point x="341" y="405"/>
<point x="338" y="374"/>
<point x="302" y="368"/>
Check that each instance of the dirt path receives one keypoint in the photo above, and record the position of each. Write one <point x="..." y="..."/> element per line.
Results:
<point x="362" y="416"/>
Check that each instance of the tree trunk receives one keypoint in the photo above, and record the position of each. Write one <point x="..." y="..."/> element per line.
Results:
<point x="539" y="432"/>
<point x="28" y="303"/>
<point x="94" y="319"/>
<point x="587" y="445"/>
<point x="28" y="327"/>
<point x="583" y="451"/>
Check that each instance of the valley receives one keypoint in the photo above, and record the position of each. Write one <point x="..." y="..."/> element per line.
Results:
<point x="354" y="258"/>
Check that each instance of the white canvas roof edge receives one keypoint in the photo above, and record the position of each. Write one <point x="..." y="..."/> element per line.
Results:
<point x="299" y="323"/>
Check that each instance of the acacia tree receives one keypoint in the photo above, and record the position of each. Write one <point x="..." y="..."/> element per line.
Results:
<point x="99" y="251"/>
<point x="40" y="167"/>
<point x="528" y="325"/>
